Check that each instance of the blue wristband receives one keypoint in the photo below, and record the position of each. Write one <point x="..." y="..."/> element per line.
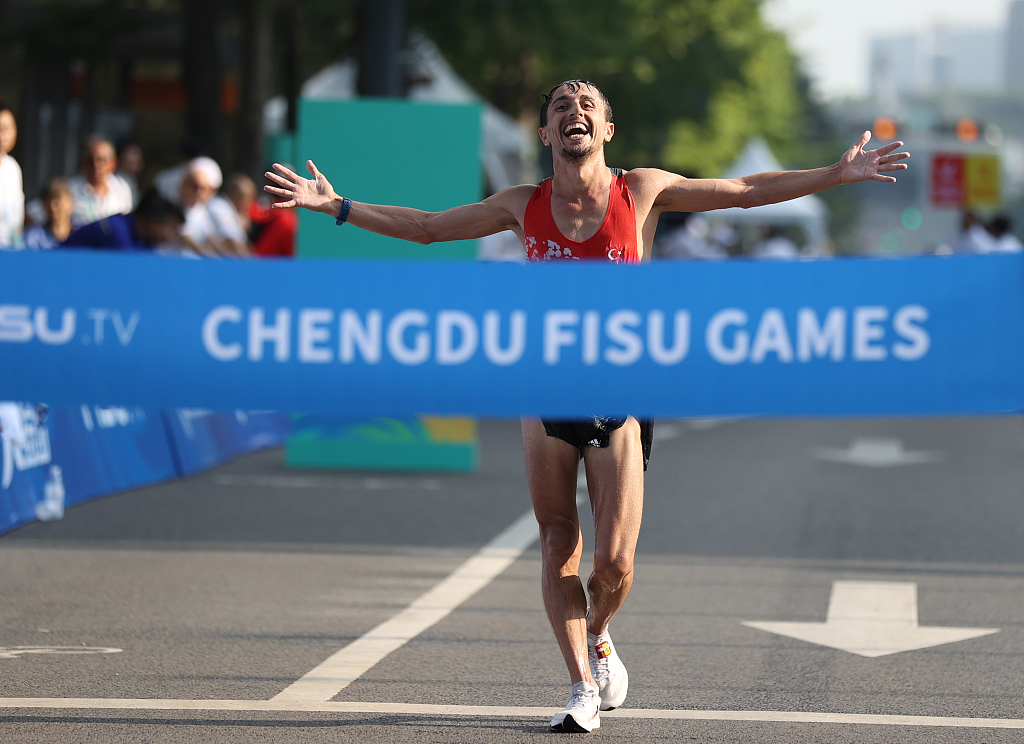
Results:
<point x="346" y="206"/>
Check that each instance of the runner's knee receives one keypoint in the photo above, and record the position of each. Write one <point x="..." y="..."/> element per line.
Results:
<point x="612" y="570"/>
<point x="560" y="541"/>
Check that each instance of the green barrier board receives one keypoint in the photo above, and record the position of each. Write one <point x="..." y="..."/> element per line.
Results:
<point x="418" y="155"/>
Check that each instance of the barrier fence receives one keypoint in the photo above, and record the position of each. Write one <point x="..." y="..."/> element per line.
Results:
<point x="862" y="337"/>
<point x="54" y="458"/>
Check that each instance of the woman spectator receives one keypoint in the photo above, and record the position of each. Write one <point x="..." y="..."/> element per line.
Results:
<point x="58" y="205"/>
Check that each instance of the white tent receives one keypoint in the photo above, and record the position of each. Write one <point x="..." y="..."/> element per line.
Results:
<point x="503" y="143"/>
<point x="809" y="212"/>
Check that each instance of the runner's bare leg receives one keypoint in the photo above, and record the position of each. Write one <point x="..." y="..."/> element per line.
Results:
<point x="551" y="469"/>
<point x="615" y="480"/>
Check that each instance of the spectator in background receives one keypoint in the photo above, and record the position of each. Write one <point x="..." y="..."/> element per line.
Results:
<point x="974" y="238"/>
<point x="155" y="224"/>
<point x="271" y="231"/>
<point x="57" y="204"/>
<point x="1004" y="241"/>
<point x="689" y="236"/>
<point x="12" y="194"/>
<point x="241" y="192"/>
<point x="168" y="181"/>
<point x="212" y="226"/>
<point x="776" y="246"/>
<point x="97" y="192"/>
<point x="130" y="165"/>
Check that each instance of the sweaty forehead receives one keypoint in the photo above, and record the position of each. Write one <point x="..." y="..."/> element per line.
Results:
<point x="565" y="93"/>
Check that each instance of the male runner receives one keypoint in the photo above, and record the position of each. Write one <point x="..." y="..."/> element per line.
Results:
<point x="586" y="211"/>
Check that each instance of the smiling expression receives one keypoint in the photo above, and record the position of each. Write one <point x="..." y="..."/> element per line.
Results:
<point x="577" y="125"/>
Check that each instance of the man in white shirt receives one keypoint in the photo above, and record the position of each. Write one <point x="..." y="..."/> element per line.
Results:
<point x="776" y="246"/>
<point x="212" y="225"/>
<point x="1004" y="241"/>
<point x="974" y="238"/>
<point x="97" y="192"/>
<point x="12" y="194"/>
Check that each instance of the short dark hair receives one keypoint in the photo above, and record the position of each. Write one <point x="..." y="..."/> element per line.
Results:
<point x="53" y="188"/>
<point x="574" y="85"/>
<point x="1000" y="225"/>
<point x="5" y="107"/>
<point x="155" y="208"/>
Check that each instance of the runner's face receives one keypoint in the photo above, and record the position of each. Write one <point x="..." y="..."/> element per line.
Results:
<point x="576" y="126"/>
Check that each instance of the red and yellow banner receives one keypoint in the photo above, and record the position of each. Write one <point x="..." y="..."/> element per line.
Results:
<point x="959" y="181"/>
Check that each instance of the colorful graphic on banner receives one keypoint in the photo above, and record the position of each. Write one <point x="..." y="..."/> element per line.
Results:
<point x="960" y="181"/>
<point x="363" y="339"/>
<point x="947" y="180"/>
<point x="410" y="443"/>
<point x="981" y="181"/>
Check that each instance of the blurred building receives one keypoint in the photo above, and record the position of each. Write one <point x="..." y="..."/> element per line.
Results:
<point x="1015" y="48"/>
<point x="943" y="59"/>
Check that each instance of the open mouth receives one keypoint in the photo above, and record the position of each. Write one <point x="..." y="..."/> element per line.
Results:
<point x="575" y="131"/>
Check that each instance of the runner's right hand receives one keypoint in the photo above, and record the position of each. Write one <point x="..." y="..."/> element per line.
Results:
<point x="315" y="194"/>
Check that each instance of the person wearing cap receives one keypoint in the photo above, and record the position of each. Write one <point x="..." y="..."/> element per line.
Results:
<point x="212" y="226"/>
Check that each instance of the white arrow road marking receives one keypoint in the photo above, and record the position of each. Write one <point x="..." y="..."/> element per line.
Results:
<point x="876" y="453"/>
<point x="15" y="652"/>
<point x="872" y="618"/>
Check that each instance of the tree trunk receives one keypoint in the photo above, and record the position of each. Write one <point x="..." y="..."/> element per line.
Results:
<point x="382" y="37"/>
<point x="202" y="75"/>
<point x="256" y="60"/>
<point x="293" y="72"/>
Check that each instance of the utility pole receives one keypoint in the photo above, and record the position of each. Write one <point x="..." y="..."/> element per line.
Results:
<point x="256" y="59"/>
<point x="382" y="37"/>
<point x="201" y="74"/>
<point x="293" y="69"/>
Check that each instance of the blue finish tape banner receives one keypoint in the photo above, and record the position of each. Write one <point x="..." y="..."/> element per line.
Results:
<point x="922" y="335"/>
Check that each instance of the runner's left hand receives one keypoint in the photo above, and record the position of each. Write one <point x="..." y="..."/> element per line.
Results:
<point x="859" y="164"/>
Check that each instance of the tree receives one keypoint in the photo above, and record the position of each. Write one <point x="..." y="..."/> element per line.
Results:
<point x="690" y="80"/>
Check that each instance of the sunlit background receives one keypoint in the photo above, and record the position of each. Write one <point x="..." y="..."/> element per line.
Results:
<point x="704" y="89"/>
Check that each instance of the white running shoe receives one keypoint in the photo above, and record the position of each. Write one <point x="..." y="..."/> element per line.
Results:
<point x="581" y="712"/>
<point x="608" y="670"/>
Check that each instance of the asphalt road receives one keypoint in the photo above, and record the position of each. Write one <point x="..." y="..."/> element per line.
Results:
<point x="232" y="585"/>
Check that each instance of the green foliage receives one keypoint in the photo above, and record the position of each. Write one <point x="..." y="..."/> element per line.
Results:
<point x="690" y="80"/>
<point x="85" y="28"/>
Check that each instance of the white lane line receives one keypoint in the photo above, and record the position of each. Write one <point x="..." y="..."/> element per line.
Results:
<point x="299" y="706"/>
<point x="347" y="665"/>
<point x="16" y="652"/>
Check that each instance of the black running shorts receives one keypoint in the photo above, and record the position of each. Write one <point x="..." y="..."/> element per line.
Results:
<point x="594" y="431"/>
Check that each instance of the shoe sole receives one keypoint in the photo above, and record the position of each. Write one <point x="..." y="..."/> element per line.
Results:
<point x="570" y="726"/>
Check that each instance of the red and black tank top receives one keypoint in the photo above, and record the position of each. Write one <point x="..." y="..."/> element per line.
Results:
<point x="615" y="241"/>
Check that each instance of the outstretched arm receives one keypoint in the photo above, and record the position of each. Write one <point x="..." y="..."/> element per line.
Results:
<point x="677" y="194"/>
<point x="490" y="216"/>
